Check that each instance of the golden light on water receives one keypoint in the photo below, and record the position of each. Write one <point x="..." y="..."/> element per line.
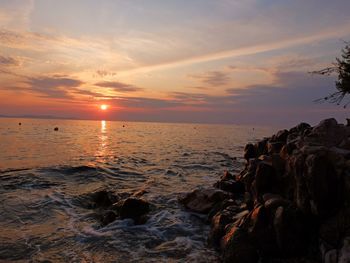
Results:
<point x="103" y="126"/>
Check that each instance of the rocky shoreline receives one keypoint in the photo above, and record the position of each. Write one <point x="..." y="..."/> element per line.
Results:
<point x="290" y="203"/>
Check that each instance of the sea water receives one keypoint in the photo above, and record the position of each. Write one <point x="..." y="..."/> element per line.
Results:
<point x="44" y="173"/>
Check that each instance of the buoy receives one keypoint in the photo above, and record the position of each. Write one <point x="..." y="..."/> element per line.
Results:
<point x="56" y="129"/>
<point x="19" y="123"/>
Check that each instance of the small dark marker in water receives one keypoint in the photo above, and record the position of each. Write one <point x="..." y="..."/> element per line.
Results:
<point x="19" y="123"/>
<point x="123" y="126"/>
<point x="56" y="129"/>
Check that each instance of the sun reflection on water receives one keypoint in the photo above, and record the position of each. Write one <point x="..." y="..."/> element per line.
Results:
<point x="102" y="152"/>
<point x="103" y="126"/>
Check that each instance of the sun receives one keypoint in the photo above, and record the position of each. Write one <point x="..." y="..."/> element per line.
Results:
<point x="104" y="107"/>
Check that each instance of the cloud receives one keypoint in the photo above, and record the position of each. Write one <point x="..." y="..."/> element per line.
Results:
<point x="105" y="73"/>
<point x="278" y="44"/>
<point x="291" y="89"/>
<point x="53" y="87"/>
<point x="16" y="13"/>
<point x="8" y="61"/>
<point x="89" y="93"/>
<point x="212" y="78"/>
<point x="118" y="86"/>
<point x="146" y="103"/>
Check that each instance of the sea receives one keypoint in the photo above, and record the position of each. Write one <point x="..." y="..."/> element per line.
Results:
<point x="45" y="175"/>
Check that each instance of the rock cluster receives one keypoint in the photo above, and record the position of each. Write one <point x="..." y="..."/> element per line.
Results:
<point x="109" y="206"/>
<point x="289" y="204"/>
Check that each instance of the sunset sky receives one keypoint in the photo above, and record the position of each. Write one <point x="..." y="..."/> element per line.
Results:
<point x="217" y="61"/>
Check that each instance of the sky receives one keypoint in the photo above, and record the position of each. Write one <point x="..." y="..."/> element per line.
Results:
<point x="210" y="61"/>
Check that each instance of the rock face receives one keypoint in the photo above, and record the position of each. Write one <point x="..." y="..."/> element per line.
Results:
<point x="295" y="190"/>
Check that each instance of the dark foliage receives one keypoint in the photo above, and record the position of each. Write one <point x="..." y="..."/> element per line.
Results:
<point x="341" y="68"/>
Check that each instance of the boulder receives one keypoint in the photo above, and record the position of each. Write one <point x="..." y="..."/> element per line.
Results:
<point x="265" y="179"/>
<point x="300" y="128"/>
<point x="232" y="186"/>
<point x="274" y="147"/>
<point x="334" y="229"/>
<point x="287" y="150"/>
<point x="97" y="200"/>
<point x="281" y="136"/>
<point x="344" y="252"/>
<point x="134" y="208"/>
<point x="108" y="217"/>
<point x="238" y="248"/>
<point x="203" y="200"/>
<point x="293" y="231"/>
<point x="261" y="147"/>
<point x="272" y="201"/>
<point x="323" y="184"/>
<point x="248" y="175"/>
<point x="345" y="143"/>
<point x="218" y="225"/>
<point x="227" y="176"/>
<point x="220" y="206"/>
<point x="249" y="152"/>
<point x="328" y="132"/>
<point x="331" y="256"/>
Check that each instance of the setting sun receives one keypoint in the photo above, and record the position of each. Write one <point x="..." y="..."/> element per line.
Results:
<point x="104" y="107"/>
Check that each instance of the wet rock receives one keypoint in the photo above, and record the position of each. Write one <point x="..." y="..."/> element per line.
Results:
<point x="248" y="200"/>
<point x="231" y="186"/>
<point x="260" y="229"/>
<point x="248" y="175"/>
<point x="249" y="152"/>
<point x="240" y="218"/>
<point x="97" y="200"/>
<point x="134" y="208"/>
<point x="227" y="176"/>
<point x="238" y="248"/>
<point x="220" y="206"/>
<point x="203" y="200"/>
<point x="218" y="224"/>
<point x="108" y="217"/>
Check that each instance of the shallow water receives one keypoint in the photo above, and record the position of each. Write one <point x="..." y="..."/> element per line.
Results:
<point x="44" y="174"/>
